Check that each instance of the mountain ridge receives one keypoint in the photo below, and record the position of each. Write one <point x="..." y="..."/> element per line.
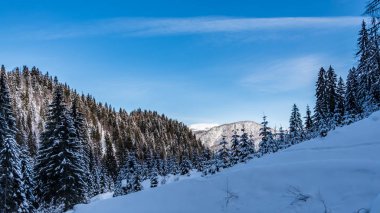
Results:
<point x="212" y="137"/>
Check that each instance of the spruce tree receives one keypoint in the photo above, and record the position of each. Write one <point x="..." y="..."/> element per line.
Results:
<point x="235" y="151"/>
<point x="109" y="159"/>
<point x="223" y="154"/>
<point x="282" y="140"/>
<point x="28" y="177"/>
<point x="128" y="179"/>
<point x="374" y="64"/>
<point x="295" y="126"/>
<point x="267" y="139"/>
<point x="321" y="109"/>
<point x="246" y="147"/>
<point x="331" y="92"/>
<point x="340" y="102"/>
<point x="185" y="165"/>
<point x="352" y="106"/>
<point x="59" y="173"/>
<point x="82" y="137"/>
<point x="308" y="121"/>
<point x="368" y="61"/>
<point x="154" y="178"/>
<point x="12" y="186"/>
<point x="95" y="174"/>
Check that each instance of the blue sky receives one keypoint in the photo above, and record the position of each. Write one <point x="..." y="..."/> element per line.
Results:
<point x="197" y="61"/>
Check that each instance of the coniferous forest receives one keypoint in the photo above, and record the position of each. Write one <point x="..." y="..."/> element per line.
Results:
<point x="59" y="148"/>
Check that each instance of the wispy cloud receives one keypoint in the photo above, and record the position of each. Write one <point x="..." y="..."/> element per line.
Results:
<point x="284" y="75"/>
<point x="191" y="25"/>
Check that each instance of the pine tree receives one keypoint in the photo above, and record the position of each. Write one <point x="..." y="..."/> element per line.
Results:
<point x="59" y="173"/>
<point x="321" y="110"/>
<point x="173" y="166"/>
<point x="185" y="166"/>
<point x="28" y="177"/>
<point x="363" y="44"/>
<point x="128" y="179"/>
<point x="223" y="154"/>
<point x="331" y="92"/>
<point x="295" y="126"/>
<point x="154" y="178"/>
<point x="246" y="147"/>
<point x="281" y="140"/>
<point x="12" y="186"/>
<point x="82" y="137"/>
<point x="352" y="106"/>
<point x="95" y="174"/>
<point x="109" y="159"/>
<point x="267" y="139"/>
<point x="148" y="165"/>
<point x="369" y="61"/>
<point x="235" y="151"/>
<point x="308" y="121"/>
<point x="340" y="102"/>
<point x="374" y="64"/>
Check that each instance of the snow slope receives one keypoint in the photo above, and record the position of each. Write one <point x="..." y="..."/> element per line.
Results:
<point x="212" y="137"/>
<point x="341" y="172"/>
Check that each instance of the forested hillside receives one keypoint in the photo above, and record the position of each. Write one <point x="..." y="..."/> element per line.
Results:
<point x="108" y="135"/>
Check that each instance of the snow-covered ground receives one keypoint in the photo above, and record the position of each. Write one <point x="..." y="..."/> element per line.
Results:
<point x="339" y="173"/>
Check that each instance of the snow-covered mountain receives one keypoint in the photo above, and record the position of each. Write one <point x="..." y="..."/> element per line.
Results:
<point x="202" y="126"/>
<point x="339" y="173"/>
<point x="212" y="137"/>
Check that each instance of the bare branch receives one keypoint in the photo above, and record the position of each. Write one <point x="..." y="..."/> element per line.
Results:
<point x="373" y="8"/>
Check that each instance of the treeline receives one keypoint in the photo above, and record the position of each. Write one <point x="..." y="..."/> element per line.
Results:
<point x="59" y="148"/>
<point x="338" y="103"/>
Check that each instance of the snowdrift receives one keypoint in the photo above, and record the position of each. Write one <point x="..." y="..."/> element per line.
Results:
<point x="339" y="174"/>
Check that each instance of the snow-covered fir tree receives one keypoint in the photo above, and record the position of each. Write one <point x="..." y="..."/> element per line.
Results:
<point x="296" y="134"/>
<point x="267" y="142"/>
<point x="309" y="126"/>
<point x="153" y="177"/>
<point x="352" y="106"/>
<point x="321" y="110"/>
<point x="246" y="147"/>
<point x="374" y="63"/>
<point x="13" y="191"/>
<point x="109" y="159"/>
<point x="28" y="177"/>
<point x="60" y="178"/>
<point x="368" y="68"/>
<point x="128" y="179"/>
<point x="340" y="102"/>
<point x="331" y="93"/>
<point x="224" y="154"/>
<point x="282" y="139"/>
<point x="185" y="166"/>
<point x="81" y="133"/>
<point x="235" y="150"/>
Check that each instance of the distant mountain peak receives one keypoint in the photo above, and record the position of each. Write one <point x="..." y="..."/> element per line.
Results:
<point x="211" y="137"/>
<point x="202" y="126"/>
